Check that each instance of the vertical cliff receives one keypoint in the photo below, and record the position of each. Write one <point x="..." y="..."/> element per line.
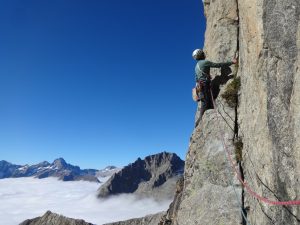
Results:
<point x="269" y="106"/>
<point x="211" y="194"/>
<point x="261" y="130"/>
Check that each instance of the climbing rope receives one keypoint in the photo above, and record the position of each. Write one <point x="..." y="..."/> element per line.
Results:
<point x="247" y="187"/>
<point x="228" y="170"/>
<point x="235" y="192"/>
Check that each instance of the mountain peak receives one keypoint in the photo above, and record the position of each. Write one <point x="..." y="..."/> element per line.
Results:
<point x="110" y="168"/>
<point x="156" y="176"/>
<point x="51" y="218"/>
<point x="4" y="162"/>
<point x="60" y="162"/>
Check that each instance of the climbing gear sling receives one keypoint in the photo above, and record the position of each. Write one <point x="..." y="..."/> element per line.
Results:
<point x="200" y="91"/>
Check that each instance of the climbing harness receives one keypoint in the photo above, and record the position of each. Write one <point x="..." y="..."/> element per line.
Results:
<point x="198" y="91"/>
<point x="196" y="94"/>
<point x="244" y="184"/>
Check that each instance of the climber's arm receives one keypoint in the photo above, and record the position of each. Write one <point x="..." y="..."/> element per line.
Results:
<point x="218" y="65"/>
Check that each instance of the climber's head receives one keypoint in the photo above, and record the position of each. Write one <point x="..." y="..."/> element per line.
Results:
<point x="198" y="54"/>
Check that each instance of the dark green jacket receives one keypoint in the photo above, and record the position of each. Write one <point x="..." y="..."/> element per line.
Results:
<point x="202" y="68"/>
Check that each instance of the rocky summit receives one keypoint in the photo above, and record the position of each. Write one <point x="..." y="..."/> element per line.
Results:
<point x="50" y="218"/>
<point x="154" y="176"/>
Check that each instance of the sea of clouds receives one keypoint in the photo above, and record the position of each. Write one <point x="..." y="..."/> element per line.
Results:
<point x="26" y="198"/>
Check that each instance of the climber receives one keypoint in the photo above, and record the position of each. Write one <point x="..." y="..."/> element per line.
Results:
<point x="203" y="78"/>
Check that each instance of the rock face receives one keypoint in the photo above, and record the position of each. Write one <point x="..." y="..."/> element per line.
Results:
<point x="59" y="168"/>
<point x="210" y="193"/>
<point x="147" y="220"/>
<point x="154" y="176"/>
<point x="171" y="214"/>
<point x="50" y="218"/>
<point x="265" y="123"/>
<point x="269" y="111"/>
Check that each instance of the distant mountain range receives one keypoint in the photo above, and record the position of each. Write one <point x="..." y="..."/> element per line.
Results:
<point x="155" y="176"/>
<point x="59" y="168"/>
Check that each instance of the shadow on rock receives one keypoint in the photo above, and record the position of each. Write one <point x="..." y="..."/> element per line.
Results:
<point x="226" y="75"/>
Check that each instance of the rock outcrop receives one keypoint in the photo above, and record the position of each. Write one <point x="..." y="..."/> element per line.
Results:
<point x="155" y="176"/>
<point x="147" y="220"/>
<point x="50" y="218"/>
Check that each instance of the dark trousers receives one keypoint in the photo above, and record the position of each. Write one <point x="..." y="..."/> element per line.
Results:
<point x="206" y="98"/>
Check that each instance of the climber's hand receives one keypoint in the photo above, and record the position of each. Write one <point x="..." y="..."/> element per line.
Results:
<point x="234" y="61"/>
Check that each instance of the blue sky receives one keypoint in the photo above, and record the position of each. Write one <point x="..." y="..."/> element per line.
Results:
<point x="98" y="82"/>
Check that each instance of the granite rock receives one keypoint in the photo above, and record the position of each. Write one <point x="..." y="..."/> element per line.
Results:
<point x="270" y="106"/>
<point x="147" y="220"/>
<point x="50" y="218"/>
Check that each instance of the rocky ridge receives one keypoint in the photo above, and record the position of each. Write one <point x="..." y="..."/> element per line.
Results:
<point x="50" y="218"/>
<point x="155" y="176"/>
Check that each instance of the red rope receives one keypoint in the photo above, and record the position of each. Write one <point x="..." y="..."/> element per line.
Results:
<point x="250" y="191"/>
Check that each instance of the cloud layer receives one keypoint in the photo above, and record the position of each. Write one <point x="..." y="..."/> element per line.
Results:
<point x="26" y="198"/>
